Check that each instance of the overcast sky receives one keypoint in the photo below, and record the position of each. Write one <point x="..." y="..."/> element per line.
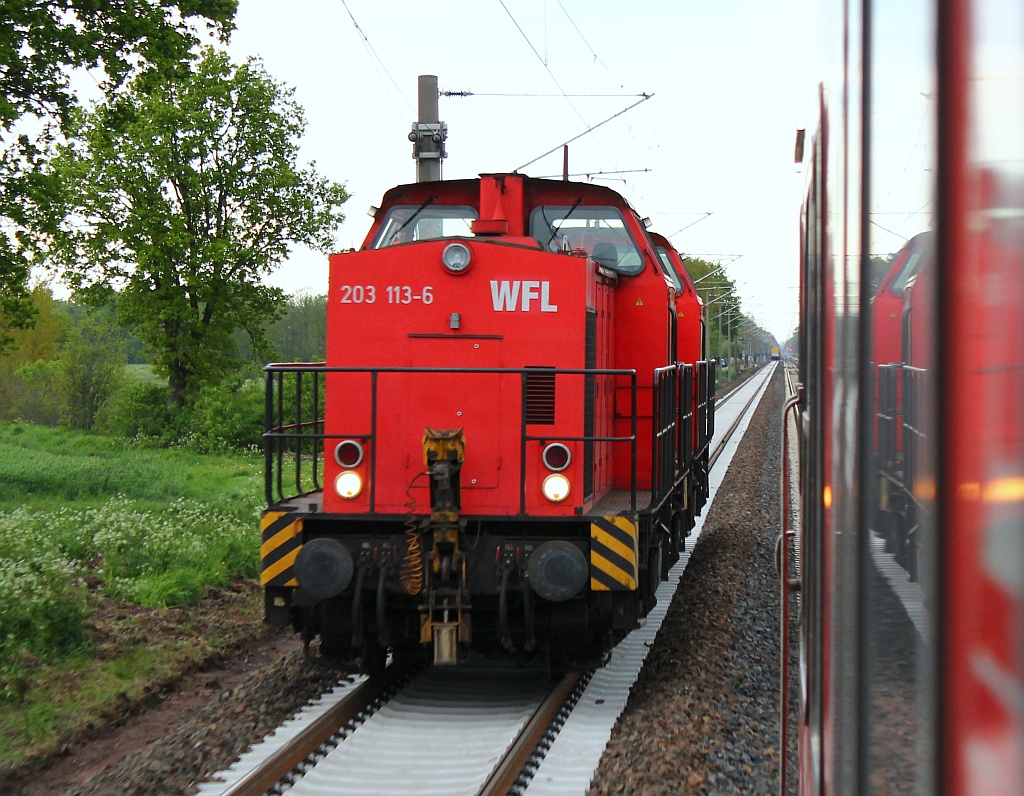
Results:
<point x="732" y="81"/>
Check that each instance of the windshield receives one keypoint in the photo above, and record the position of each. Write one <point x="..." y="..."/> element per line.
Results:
<point x="909" y="269"/>
<point x="601" y="231"/>
<point x="669" y="268"/>
<point x="913" y="255"/>
<point x="408" y="223"/>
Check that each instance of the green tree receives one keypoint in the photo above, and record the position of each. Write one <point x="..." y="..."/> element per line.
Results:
<point x="39" y="342"/>
<point x="878" y="268"/>
<point x="301" y="335"/>
<point x="92" y="368"/>
<point x="40" y="45"/>
<point x="40" y="399"/>
<point x="722" y="305"/>
<point x="180" y="197"/>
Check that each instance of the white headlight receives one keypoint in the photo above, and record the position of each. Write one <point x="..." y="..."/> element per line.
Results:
<point x="555" y="487"/>
<point x="456" y="257"/>
<point x="348" y="484"/>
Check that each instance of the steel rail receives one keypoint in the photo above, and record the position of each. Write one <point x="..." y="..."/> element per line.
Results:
<point x="717" y="450"/>
<point x="276" y="767"/>
<point x="524" y="748"/>
<point x="359" y="702"/>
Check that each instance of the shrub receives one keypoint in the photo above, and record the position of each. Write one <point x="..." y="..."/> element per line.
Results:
<point x="92" y="368"/>
<point x="154" y="558"/>
<point x="139" y="410"/>
<point x="229" y="415"/>
<point x="41" y="397"/>
<point x="43" y="604"/>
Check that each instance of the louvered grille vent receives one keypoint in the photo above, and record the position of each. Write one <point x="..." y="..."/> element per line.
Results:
<point x="540" y="397"/>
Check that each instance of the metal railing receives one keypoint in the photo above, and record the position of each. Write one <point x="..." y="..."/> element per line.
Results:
<point x="889" y="418"/>
<point x="679" y="435"/>
<point x="913" y="427"/>
<point x="295" y="438"/>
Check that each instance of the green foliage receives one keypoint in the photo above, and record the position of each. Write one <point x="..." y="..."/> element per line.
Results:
<point x="43" y="604"/>
<point x="39" y="399"/>
<point x="16" y="310"/>
<point x="78" y="315"/>
<point x="139" y="410"/>
<point x="301" y="335"/>
<point x="68" y="386"/>
<point x="37" y="342"/>
<point x="41" y="42"/>
<point x="878" y="268"/>
<point x="229" y="415"/>
<point x="159" y="558"/>
<point x="156" y="559"/>
<point x="92" y="368"/>
<point x="40" y="45"/>
<point x="43" y="467"/>
<point x="18" y="177"/>
<point x="180" y="523"/>
<point x="182" y="195"/>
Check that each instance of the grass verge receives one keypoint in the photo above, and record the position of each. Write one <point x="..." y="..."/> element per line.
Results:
<point x="110" y="556"/>
<point x="135" y="655"/>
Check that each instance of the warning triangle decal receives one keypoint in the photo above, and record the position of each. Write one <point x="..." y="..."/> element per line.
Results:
<point x="639" y="302"/>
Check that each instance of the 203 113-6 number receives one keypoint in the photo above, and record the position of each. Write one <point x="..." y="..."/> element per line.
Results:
<point x="397" y="294"/>
<point x="402" y="294"/>
<point x="358" y="294"/>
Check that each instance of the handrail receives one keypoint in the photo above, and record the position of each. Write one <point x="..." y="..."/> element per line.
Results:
<point x="673" y="449"/>
<point x="788" y="586"/>
<point x="312" y="430"/>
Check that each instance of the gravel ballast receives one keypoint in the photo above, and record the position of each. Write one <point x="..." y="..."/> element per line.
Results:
<point x="703" y="717"/>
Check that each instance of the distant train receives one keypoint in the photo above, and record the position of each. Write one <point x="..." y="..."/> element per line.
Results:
<point x="776" y="353"/>
<point x="909" y="572"/>
<point x="508" y="441"/>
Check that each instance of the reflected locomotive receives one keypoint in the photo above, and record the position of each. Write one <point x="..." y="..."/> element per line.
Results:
<point x="910" y="581"/>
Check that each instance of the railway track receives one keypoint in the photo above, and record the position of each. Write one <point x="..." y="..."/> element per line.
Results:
<point x="483" y="728"/>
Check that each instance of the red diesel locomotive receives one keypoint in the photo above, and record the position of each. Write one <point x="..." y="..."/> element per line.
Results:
<point x="508" y="441"/>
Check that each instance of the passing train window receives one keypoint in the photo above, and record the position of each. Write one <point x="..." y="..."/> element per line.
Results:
<point x="899" y="560"/>
<point x="409" y="223"/>
<point x="601" y="231"/>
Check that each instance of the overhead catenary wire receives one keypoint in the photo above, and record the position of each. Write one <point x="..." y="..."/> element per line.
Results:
<point x="555" y="81"/>
<point x="594" y="173"/>
<point x="593" y="52"/>
<point x="378" y="64"/>
<point x="585" y="132"/>
<point x="706" y="215"/>
<point x="530" y="96"/>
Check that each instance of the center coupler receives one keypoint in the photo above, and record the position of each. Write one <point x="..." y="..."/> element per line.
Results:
<point x="445" y="618"/>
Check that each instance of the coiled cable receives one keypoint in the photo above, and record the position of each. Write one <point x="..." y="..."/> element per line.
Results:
<point x="411" y="573"/>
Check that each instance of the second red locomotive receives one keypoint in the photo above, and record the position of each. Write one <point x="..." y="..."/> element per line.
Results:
<point x="508" y="441"/>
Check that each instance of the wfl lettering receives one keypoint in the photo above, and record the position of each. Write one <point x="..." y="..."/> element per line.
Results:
<point x="511" y="295"/>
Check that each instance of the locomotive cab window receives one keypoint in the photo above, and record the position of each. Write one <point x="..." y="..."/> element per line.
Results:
<point x="409" y="223"/>
<point x="601" y="231"/>
<point x="669" y="269"/>
<point x="919" y="248"/>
